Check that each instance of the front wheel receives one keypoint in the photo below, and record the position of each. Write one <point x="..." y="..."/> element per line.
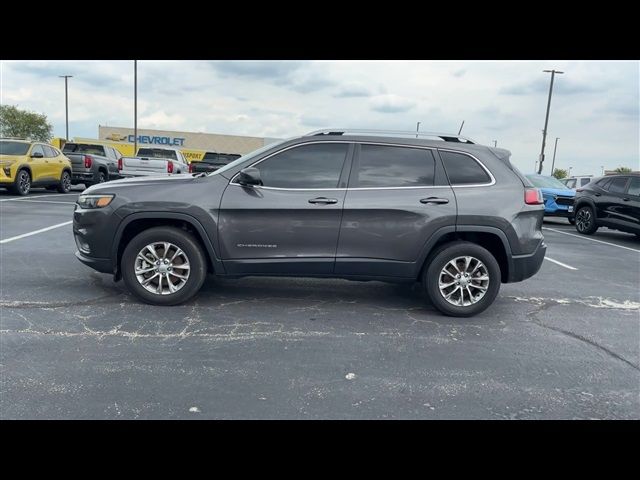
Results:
<point x="65" y="183"/>
<point x="163" y="266"/>
<point x="22" y="186"/>
<point x="586" y="220"/>
<point x="462" y="279"/>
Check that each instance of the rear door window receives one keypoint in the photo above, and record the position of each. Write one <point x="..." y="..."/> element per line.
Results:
<point x="48" y="151"/>
<point x="618" y="185"/>
<point x="584" y="181"/>
<point x="383" y="166"/>
<point x="463" y="169"/>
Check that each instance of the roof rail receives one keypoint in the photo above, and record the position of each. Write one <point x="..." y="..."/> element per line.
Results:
<point x="447" y="137"/>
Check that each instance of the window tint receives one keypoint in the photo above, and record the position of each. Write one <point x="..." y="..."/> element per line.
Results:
<point x="37" y="149"/>
<point x="604" y="183"/>
<point x="84" y="148"/>
<point x="309" y="166"/>
<point x="463" y="170"/>
<point x="618" y="185"/>
<point x="385" y="166"/>
<point x="584" y="181"/>
<point x="634" y="186"/>
<point x="571" y="183"/>
<point x="157" y="153"/>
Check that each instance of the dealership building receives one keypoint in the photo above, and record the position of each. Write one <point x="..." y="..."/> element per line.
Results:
<point x="192" y="144"/>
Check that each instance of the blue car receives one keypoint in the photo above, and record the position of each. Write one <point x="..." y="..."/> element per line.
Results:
<point x="558" y="198"/>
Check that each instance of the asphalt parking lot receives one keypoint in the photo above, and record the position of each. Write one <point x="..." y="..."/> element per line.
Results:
<point x="74" y="344"/>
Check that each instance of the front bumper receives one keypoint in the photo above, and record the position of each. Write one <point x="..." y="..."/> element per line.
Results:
<point x="102" y="265"/>
<point x="524" y="266"/>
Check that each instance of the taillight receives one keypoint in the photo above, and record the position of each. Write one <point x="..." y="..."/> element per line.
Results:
<point x="533" y="196"/>
<point x="120" y="163"/>
<point x="169" y="166"/>
<point x="87" y="161"/>
<point x="191" y="168"/>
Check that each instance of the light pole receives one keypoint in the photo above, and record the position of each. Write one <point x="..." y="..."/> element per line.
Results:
<point x="495" y="143"/>
<point x="570" y="170"/>
<point x="135" y="107"/>
<point x="546" y="118"/>
<point x="66" y="103"/>
<point x="602" y="168"/>
<point x="417" y="129"/>
<point x="553" y="162"/>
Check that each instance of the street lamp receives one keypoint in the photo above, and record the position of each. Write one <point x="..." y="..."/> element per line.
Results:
<point x="135" y="107"/>
<point x="553" y="162"/>
<point x="570" y="170"/>
<point x="546" y="118"/>
<point x="66" y="102"/>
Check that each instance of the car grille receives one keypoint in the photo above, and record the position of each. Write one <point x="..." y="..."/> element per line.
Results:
<point x="564" y="200"/>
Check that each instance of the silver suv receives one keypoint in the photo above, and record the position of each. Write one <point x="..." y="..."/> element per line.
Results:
<point x="360" y="205"/>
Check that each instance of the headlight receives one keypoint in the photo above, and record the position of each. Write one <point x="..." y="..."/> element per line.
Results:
<point x="94" y="201"/>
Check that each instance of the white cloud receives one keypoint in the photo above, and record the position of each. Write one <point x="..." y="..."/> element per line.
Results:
<point x="594" y="109"/>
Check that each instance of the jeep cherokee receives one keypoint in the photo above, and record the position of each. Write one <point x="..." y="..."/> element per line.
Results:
<point x="360" y="205"/>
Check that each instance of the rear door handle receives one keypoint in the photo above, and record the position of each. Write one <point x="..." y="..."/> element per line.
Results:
<point x="598" y="194"/>
<point x="323" y="200"/>
<point x="626" y="199"/>
<point x="434" y="200"/>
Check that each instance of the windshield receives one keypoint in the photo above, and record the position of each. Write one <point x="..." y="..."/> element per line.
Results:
<point x="82" y="148"/>
<point x="14" y="148"/>
<point x="541" y="181"/>
<point x="248" y="156"/>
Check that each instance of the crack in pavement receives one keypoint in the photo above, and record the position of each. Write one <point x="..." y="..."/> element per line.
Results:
<point x="546" y="305"/>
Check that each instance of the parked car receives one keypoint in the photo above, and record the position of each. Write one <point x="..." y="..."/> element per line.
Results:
<point x="211" y="161"/>
<point x="25" y="164"/>
<point x="92" y="163"/>
<point x="577" y="182"/>
<point x="153" y="161"/>
<point x="612" y="201"/>
<point x="558" y="198"/>
<point x="456" y="215"/>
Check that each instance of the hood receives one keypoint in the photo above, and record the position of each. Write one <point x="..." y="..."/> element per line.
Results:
<point x="140" y="181"/>
<point x="557" y="191"/>
<point x="9" y="158"/>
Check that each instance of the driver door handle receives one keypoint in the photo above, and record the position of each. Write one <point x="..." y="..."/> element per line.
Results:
<point x="323" y="201"/>
<point x="434" y="200"/>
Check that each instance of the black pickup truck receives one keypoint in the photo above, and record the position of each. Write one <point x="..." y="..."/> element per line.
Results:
<point x="212" y="161"/>
<point x="92" y="163"/>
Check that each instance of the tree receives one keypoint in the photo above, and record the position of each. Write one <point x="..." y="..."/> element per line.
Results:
<point x="623" y="170"/>
<point x="24" y="124"/>
<point x="560" y="173"/>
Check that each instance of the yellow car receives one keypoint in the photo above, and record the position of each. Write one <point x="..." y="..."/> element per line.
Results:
<point x="25" y="164"/>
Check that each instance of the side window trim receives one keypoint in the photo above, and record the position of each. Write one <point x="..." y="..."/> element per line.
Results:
<point x="345" y="168"/>
<point x="482" y="165"/>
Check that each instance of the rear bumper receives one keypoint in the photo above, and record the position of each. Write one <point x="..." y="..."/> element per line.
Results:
<point x="525" y="266"/>
<point x="102" y="265"/>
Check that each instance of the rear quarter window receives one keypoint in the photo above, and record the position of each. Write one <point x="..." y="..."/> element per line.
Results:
<point x="463" y="169"/>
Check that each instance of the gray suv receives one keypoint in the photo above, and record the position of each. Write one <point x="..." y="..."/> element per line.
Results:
<point x="359" y="205"/>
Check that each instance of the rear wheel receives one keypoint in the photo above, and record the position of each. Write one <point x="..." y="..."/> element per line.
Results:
<point x="22" y="186"/>
<point x="65" y="183"/>
<point x="163" y="266"/>
<point x="102" y="177"/>
<point x="586" y="220"/>
<point x="462" y="279"/>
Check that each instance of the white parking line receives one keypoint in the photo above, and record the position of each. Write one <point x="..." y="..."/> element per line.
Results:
<point x="591" y="239"/>
<point x="46" y="201"/>
<point x="560" y="263"/>
<point x="22" y="199"/>
<point x="35" y="232"/>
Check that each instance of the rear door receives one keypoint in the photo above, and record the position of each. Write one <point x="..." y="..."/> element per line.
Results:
<point x="290" y="224"/>
<point x="397" y="198"/>
<point x="631" y="204"/>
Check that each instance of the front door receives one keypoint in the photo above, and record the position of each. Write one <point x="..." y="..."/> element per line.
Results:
<point x="397" y="198"/>
<point x="290" y="224"/>
<point x="38" y="164"/>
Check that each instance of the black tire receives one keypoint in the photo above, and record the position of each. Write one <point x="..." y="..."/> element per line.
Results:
<point x="64" y="186"/>
<point x="183" y="240"/>
<point x="586" y="220"/>
<point x="22" y="185"/>
<point x="437" y="263"/>
<point x="572" y="220"/>
<point x="102" y="177"/>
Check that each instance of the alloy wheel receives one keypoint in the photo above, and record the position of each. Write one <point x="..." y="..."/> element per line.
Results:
<point x="463" y="281"/>
<point x="584" y="219"/>
<point x="162" y="268"/>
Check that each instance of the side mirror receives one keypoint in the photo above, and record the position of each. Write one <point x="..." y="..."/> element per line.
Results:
<point x="249" y="177"/>
<point x="37" y="155"/>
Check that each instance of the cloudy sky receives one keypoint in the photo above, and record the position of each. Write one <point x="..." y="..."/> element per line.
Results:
<point x="594" y="108"/>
